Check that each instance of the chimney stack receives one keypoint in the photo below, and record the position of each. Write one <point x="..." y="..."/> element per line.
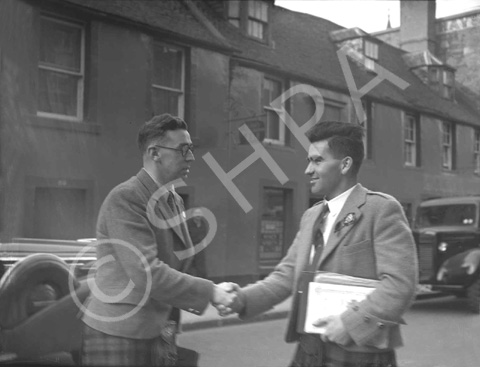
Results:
<point x="417" y="25"/>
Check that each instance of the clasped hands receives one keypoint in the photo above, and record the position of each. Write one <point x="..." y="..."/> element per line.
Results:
<point x="226" y="300"/>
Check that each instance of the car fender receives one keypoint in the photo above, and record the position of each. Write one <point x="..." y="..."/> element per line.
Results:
<point x="21" y="287"/>
<point x="56" y="328"/>
<point x="461" y="267"/>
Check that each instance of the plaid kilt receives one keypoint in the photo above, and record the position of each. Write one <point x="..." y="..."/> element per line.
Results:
<point x="312" y="352"/>
<point x="100" y="349"/>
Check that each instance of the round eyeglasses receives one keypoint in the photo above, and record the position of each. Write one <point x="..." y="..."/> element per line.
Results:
<point x="184" y="149"/>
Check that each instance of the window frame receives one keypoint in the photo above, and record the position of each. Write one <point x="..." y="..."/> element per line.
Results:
<point x="289" y="192"/>
<point x="241" y="18"/>
<point x="476" y="151"/>
<point x="448" y="83"/>
<point x="449" y="145"/>
<point x="370" y="51"/>
<point x="234" y="18"/>
<point x="80" y="74"/>
<point x="253" y="19"/>
<point x="181" y="91"/>
<point x="411" y="143"/>
<point x="280" y="112"/>
<point x="368" y="107"/>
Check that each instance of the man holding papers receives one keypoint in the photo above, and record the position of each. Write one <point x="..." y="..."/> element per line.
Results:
<point x="353" y="232"/>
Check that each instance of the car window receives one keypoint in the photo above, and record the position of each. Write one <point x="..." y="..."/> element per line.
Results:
<point x="447" y="215"/>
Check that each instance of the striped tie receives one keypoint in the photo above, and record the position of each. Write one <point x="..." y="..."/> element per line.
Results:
<point x="318" y="236"/>
<point x="171" y="201"/>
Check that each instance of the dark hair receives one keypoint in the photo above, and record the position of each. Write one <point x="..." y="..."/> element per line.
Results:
<point x="344" y="139"/>
<point x="157" y="127"/>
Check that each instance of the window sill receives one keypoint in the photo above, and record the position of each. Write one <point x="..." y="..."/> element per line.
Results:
<point x="280" y="147"/>
<point x="58" y="124"/>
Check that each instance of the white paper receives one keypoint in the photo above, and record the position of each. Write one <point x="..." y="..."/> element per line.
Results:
<point x="326" y="299"/>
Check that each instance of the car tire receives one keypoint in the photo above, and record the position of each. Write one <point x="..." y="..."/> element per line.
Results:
<point x="473" y="297"/>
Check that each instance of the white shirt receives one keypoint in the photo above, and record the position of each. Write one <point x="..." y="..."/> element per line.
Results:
<point x="335" y="206"/>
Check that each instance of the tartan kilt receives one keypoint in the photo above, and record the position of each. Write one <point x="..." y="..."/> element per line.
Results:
<point x="312" y="352"/>
<point x="100" y="349"/>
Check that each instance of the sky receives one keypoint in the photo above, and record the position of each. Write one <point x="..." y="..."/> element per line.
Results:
<point x="369" y="15"/>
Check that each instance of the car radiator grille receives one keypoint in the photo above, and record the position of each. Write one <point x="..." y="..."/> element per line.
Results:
<point x="426" y="246"/>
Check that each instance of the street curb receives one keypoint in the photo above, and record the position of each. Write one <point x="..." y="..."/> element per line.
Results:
<point x="204" y="324"/>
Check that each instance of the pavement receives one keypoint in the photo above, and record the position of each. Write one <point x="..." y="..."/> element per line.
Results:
<point x="210" y="317"/>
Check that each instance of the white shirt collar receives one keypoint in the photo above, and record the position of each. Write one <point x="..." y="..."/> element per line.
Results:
<point x="336" y="204"/>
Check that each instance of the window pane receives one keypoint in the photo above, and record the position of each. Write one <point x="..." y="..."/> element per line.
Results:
<point x="447" y="92"/>
<point x="255" y="29"/>
<point x="410" y="144"/>
<point x="272" y="225"/>
<point x="408" y="153"/>
<point x="410" y="130"/>
<point x="264" y="13"/>
<point x="433" y="74"/>
<point x="371" y="50"/>
<point x="447" y="77"/>
<point x="273" y="125"/>
<point x="57" y="93"/>
<point x="165" y="102"/>
<point x="271" y="90"/>
<point x="167" y="69"/>
<point x="446" y="157"/>
<point x="446" y="133"/>
<point x="453" y="215"/>
<point x="258" y="10"/>
<point x="331" y="112"/>
<point x="234" y="9"/>
<point x="60" y="45"/>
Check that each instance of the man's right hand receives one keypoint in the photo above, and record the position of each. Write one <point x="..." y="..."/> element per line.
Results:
<point x="236" y="304"/>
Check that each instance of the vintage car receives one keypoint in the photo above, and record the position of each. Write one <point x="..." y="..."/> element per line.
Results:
<point x="39" y="318"/>
<point x="447" y="234"/>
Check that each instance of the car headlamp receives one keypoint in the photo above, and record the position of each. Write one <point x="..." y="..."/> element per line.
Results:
<point x="442" y="246"/>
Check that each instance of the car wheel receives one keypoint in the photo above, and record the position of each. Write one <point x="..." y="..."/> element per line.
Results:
<point x="473" y="297"/>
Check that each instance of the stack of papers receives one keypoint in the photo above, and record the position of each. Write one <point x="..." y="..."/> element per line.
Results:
<point x="329" y="294"/>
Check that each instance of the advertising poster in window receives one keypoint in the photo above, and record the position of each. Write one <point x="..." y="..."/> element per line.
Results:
<point x="271" y="239"/>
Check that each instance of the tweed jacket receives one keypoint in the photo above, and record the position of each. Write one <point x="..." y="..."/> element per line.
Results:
<point x="139" y="277"/>
<point x="370" y="239"/>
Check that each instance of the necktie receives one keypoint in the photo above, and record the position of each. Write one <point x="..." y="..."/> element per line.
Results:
<point x="318" y="236"/>
<point x="171" y="200"/>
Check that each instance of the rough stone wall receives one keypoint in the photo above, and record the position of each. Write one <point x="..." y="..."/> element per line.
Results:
<point x="458" y="44"/>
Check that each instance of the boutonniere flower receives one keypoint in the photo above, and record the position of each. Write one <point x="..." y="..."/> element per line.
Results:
<point x="345" y="222"/>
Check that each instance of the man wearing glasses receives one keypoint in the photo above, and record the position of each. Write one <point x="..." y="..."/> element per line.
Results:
<point x="139" y="282"/>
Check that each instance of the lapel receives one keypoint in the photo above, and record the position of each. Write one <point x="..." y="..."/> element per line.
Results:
<point x="174" y="220"/>
<point x="339" y="230"/>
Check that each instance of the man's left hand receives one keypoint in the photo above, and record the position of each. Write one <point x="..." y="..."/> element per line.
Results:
<point x="334" y="330"/>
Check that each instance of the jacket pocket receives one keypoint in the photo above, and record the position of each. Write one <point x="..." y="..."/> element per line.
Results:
<point x="351" y="248"/>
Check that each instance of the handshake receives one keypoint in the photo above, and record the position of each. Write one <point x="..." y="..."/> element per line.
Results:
<point x="227" y="299"/>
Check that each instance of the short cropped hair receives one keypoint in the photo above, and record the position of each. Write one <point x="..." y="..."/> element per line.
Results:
<point x="156" y="128"/>
<point x="344" y="139"/>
